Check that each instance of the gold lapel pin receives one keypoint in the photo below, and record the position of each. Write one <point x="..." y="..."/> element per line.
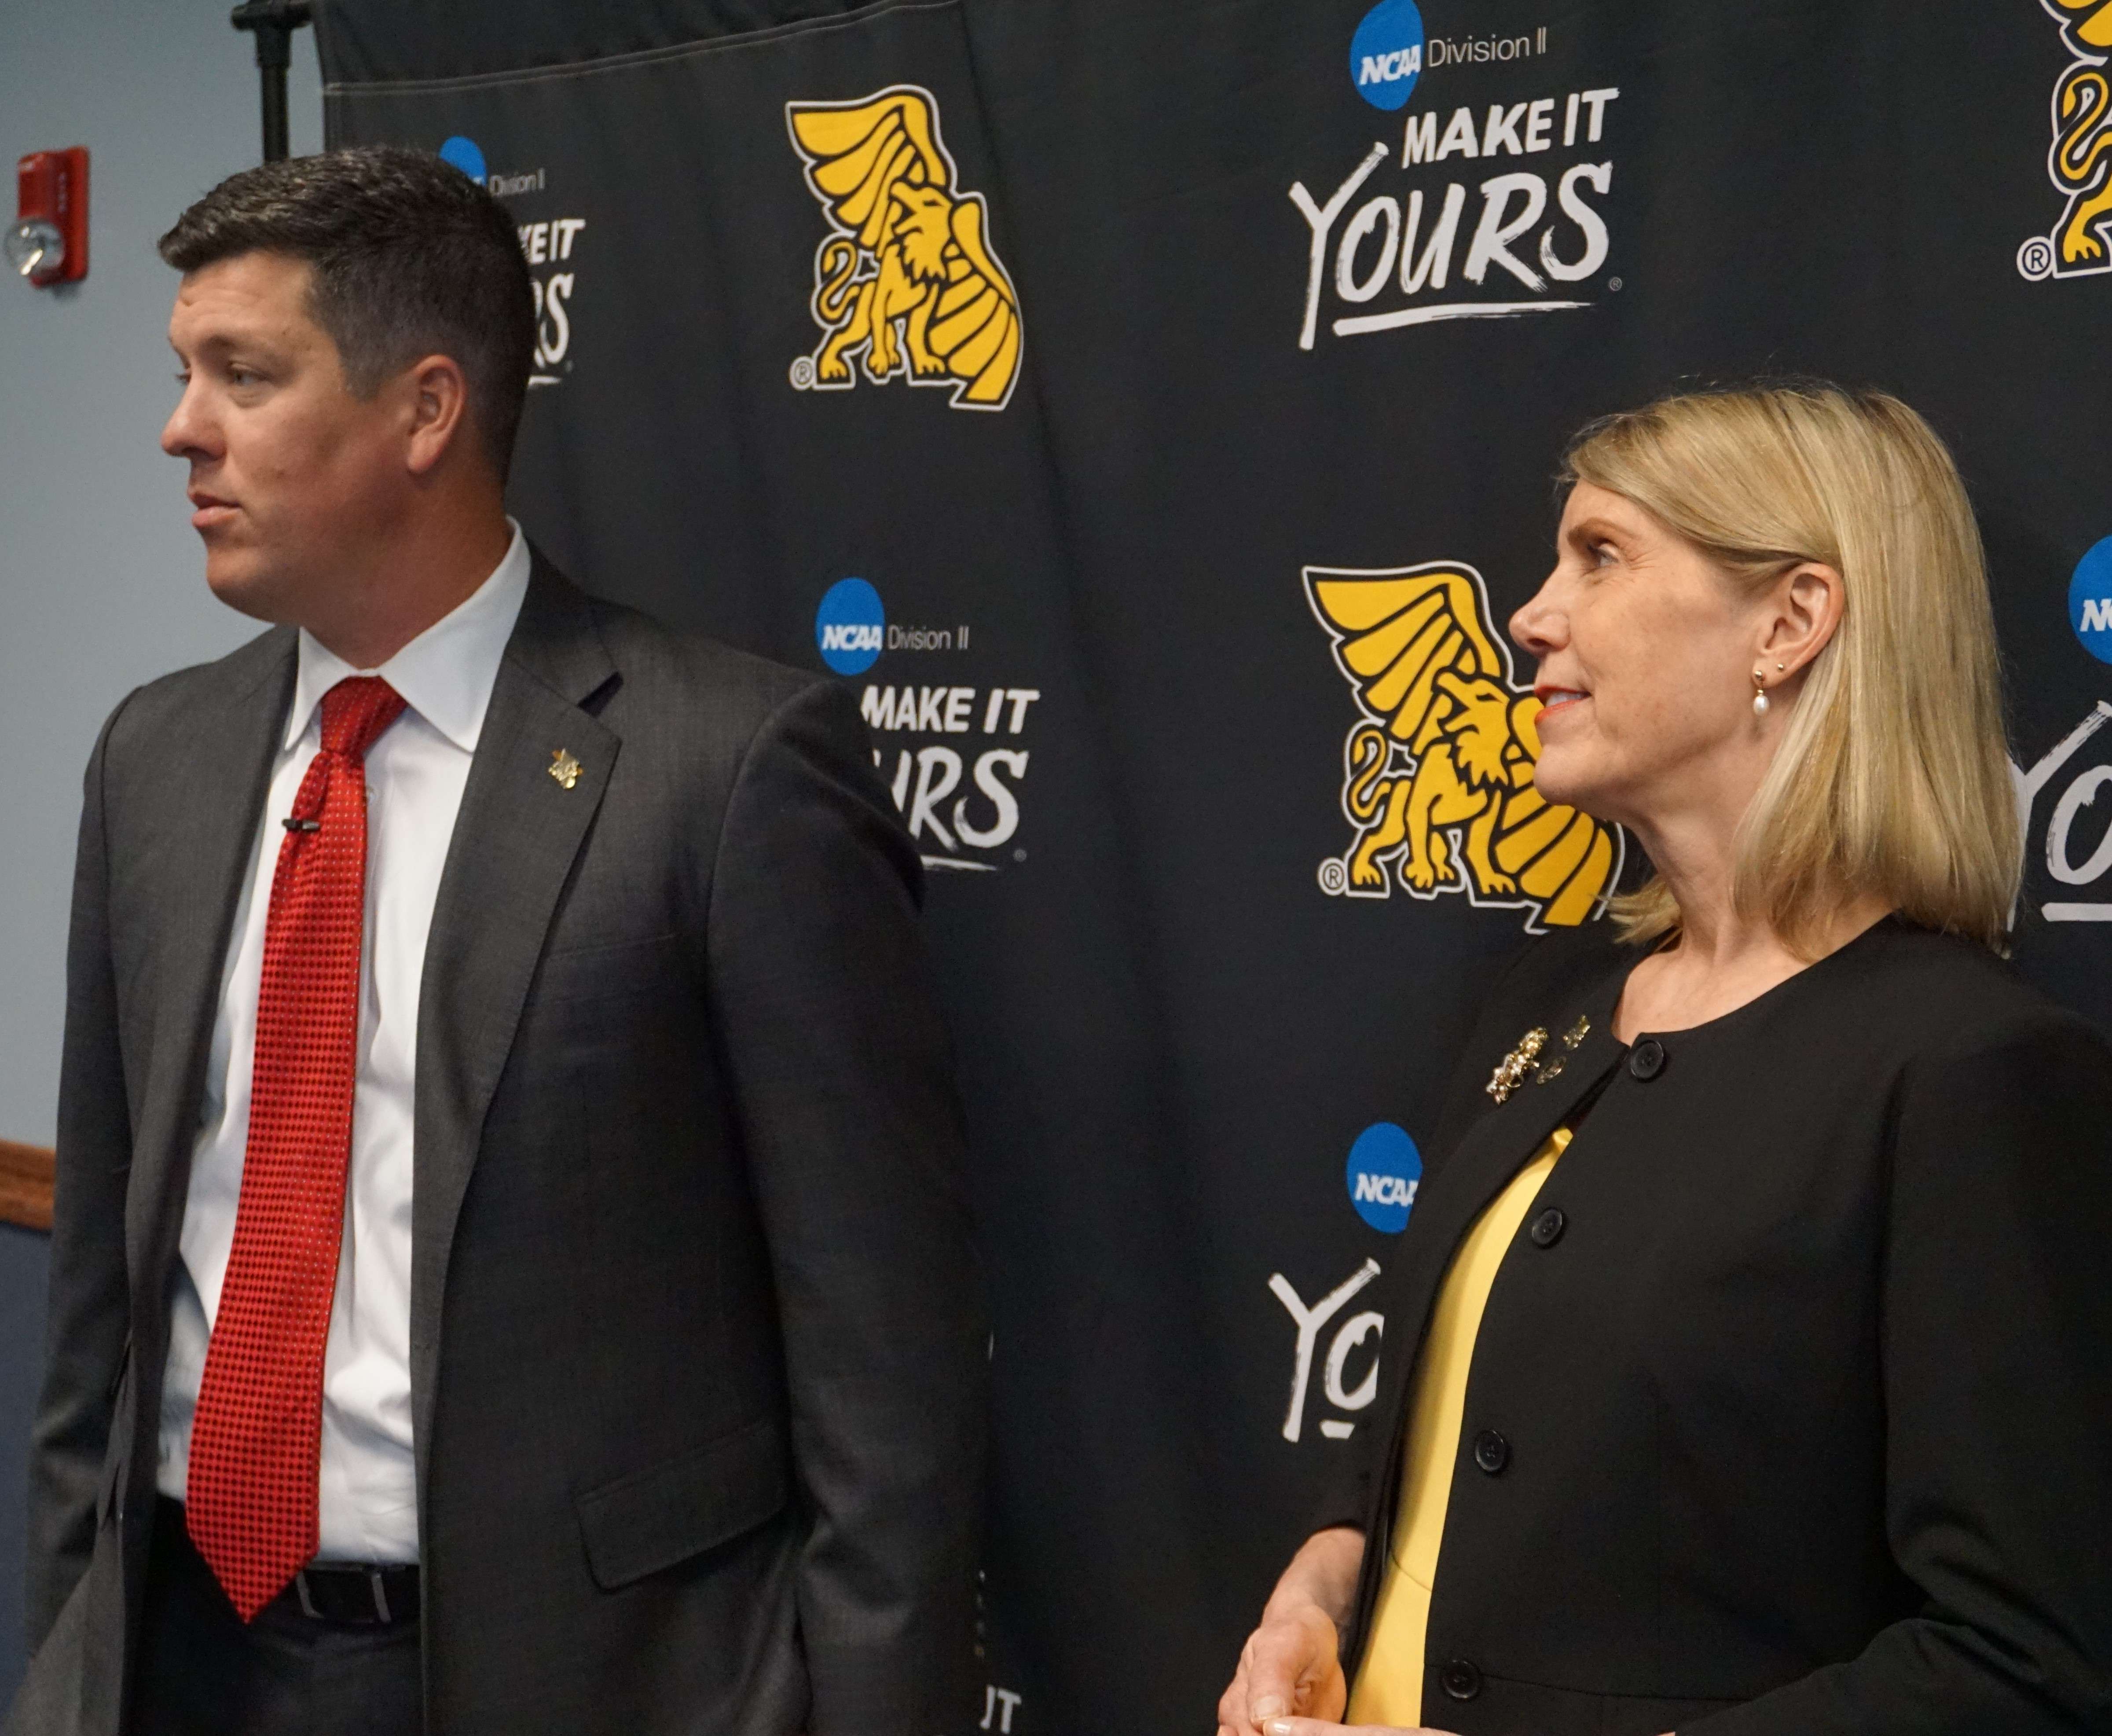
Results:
<point x="1512" y="1069"/>
<point x="564" y="768"/>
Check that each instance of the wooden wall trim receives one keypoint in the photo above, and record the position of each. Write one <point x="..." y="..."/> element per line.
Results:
<point x="25" y="1185"/>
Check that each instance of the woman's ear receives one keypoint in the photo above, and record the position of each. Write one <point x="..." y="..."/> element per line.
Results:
<point x="1808" y="603"/>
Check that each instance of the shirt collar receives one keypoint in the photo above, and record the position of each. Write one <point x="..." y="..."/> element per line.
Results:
<point x="446" y="674"/>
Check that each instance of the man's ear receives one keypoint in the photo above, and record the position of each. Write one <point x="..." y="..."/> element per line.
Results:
<point x="439" y="395"/>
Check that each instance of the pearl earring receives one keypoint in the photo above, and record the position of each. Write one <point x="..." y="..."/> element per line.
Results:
<point x="1759" y="693"/>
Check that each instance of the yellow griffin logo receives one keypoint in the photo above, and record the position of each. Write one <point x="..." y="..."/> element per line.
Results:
<point x="1447" y="748"/>
<point x="2080" y="161"/>
<point x="906" y="277"/>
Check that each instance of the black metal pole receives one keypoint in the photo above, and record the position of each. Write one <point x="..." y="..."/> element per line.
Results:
<point x="273" y="22"/>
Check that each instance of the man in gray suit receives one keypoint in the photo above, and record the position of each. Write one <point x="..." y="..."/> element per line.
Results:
<point x="511" y="1271"/>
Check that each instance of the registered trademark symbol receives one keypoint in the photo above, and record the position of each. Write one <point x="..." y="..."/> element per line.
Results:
<point x="1019" y="855"/>
<point x="2035" y="258"/>
<point x="1334" y="877"/>
<point x="1612" y="283"/>
<point x="802" y="373"/>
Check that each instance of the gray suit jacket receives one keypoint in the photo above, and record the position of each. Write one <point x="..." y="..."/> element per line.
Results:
<point x="697" y="1350"/>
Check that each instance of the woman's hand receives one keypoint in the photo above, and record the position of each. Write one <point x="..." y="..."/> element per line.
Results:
<point x="1290" y="1668"/>
<point x="1321" y="1727"/>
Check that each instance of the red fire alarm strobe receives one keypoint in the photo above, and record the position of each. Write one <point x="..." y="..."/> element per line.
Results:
<point x="48" y="244"/>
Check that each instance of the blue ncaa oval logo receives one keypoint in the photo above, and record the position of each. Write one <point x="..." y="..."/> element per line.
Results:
<point x="2090" y="601"/>
<point x="850" y="626"/>
<point x="464" y="154"/>
<point x="1386" y="55"/>
<point x="1384" y="1172"/>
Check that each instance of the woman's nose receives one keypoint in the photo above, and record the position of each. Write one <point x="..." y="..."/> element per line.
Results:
<point x="1536" y="628"/>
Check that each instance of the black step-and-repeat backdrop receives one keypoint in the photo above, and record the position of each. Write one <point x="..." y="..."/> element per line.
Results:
<point x="1152" y="410"/>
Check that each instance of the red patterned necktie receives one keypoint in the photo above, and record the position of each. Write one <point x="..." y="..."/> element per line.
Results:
<point x="256" y="1439"/>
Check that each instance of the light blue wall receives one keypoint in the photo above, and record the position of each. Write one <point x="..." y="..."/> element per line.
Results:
<point x="101" y="581"/>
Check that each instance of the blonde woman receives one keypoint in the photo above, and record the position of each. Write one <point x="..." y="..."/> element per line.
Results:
<point x="1752" y="1350"/>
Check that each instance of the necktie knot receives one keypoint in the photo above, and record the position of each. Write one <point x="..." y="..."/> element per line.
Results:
<point x="355" y="712"/>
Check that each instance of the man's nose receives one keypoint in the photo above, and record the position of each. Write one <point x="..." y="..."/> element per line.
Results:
<point x="174" y="440"/>
<point x="183" y="433"/>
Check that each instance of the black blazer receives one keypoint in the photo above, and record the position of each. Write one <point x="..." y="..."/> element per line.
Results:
<point x="697" y="1353"/>
<point x="1794" y="1395"/>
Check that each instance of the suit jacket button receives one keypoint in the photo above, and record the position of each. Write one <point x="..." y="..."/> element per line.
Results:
<point x="1492" y="1452"/>
<point x="1548" y="1227"/>
<point x="1646" y="1061"/>
<point x="1461" y="1680"/>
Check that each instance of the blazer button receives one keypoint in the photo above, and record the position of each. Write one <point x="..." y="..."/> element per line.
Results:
<point x="1461" y="1680"/>
<point x="1646" y="1060"/>
<point x="1492" y="1452"/>
<point x="1548" y="1227"/>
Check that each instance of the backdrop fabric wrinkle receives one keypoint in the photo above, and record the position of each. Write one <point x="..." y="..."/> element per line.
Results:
<point x="1154" y="411"/>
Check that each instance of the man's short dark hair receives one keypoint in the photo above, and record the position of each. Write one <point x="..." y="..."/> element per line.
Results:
<point x="409" y="257"/>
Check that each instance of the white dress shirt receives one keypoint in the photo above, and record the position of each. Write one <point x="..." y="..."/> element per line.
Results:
<point x="416" y="773"/>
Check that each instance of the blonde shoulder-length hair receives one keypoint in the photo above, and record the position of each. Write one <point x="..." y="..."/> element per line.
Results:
<point x="1893" y="777"/>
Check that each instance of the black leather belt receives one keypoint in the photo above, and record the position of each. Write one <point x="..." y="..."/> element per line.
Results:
<point x="355" y="1594"/>
<point x="348" y="1594"/>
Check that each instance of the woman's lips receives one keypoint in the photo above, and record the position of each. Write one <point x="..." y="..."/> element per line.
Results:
<point x="1557" y="699"/>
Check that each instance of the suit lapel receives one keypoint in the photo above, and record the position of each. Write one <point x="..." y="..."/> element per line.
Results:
<point x="1489" y="1154"/>
<point x="1493" y="1151"/>
<point x="516" y="838"/>
<point x="215" y="797"/>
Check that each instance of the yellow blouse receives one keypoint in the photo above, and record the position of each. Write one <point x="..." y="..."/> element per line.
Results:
<point x="1388" y="1688"/>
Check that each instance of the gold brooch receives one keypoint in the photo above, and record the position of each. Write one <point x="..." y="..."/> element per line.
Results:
<point x="1511" y="1070"/>
<point x="564" y="768"/>
<point x="1551" y="1068"/>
